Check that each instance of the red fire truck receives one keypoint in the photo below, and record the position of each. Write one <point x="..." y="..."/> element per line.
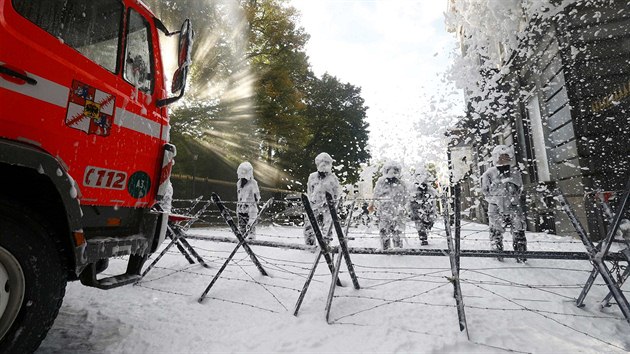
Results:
<point x="84" y="150"/>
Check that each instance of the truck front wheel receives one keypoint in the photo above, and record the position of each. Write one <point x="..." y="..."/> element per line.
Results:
<point x="32" y="279"/>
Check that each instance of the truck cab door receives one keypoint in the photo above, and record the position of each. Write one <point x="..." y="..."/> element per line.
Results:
<point x="141" y="113"/>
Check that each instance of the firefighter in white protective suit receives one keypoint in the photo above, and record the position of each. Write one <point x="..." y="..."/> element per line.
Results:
<point x="248" y="195"/>
<point x="320" y="182"/>
<point x="390" y="199"/>
<point x="422" y="203"/>
<point x="501" y="186"/>
<point x="624" y="229"/>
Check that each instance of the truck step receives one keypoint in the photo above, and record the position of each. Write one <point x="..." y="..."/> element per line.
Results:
<point x="114" y="281"/>
<point x="132" y="275"/>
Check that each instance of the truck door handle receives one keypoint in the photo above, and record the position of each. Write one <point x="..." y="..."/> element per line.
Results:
<point x="6" y="71"/>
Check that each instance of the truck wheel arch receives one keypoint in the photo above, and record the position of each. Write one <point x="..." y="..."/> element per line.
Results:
<point x="53" y="186"/>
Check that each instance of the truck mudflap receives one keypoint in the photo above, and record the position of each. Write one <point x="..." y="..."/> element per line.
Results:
<point x="160" y="231"/>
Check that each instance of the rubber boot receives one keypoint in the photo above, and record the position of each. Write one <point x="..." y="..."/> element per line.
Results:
<point x="397" y="240"/>
<point x="252" y="233"/>
<point x="498" y="247"/>
<point x="520" y="245"/>
<point x="309" y="233"/>
<point x="423" y="237"/>
<point x="496" y="242"/>
<point x="385" y="242"/>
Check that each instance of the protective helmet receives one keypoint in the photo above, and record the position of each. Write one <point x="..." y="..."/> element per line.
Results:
<point x="502" y="155"/>
<point x="245" y="170"/>
<point x="391" y="169"/>
<point x="323" y="161"/>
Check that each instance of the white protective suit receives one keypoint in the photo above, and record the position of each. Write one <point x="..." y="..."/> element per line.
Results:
<point x="501" y="186"/>
<point x="624" y="229"/>
<point x="318" y="184"/>
<point x="248" y="195"/>
<point x="167" y="200"/>
<point x="422" y="204"/>
<point x="390" y="199"/>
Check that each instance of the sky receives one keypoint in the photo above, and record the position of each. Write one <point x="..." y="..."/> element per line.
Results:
<point x="398" y="52"/>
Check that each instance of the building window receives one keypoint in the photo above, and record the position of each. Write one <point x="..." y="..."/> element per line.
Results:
<point x="538" y="139"/>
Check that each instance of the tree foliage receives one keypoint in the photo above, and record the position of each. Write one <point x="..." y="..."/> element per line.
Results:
<point x="276" y="53"/>
<point x="253" y="97"/>
<point x="336" y="124"/>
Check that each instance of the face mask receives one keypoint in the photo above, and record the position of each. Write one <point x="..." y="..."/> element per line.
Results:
<point x="244" y="176"/>
<point x="325" y="167"/>
<point x="504" y="168"/>
<point x="420" y="179"/>
<point x="392" y="173"/>
<point x="391" y="180"/>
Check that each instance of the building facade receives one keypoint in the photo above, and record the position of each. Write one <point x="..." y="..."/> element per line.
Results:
<point x="565" y="108"/>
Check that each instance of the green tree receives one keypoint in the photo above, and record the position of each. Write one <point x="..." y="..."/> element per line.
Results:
<point x="336" y="115"/>
<point x="276" y="54"/>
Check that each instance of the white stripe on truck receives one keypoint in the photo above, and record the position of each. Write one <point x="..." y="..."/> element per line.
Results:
<point x="53" y="93"/>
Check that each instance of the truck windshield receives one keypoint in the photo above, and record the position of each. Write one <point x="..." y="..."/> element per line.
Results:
<point x="90" y="27"/>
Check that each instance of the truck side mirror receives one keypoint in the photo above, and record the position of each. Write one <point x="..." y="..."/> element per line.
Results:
<point x="186" y="35"/>
<point x="183" y="57"/>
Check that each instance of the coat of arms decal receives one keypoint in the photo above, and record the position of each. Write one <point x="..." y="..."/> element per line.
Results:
<point x="90" y="110"/>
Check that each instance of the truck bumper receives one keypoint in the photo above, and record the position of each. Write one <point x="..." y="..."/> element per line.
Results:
<point x="151" y="233"/>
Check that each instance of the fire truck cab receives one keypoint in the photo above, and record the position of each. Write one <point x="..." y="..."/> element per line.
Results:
<point x="84" y="150"/>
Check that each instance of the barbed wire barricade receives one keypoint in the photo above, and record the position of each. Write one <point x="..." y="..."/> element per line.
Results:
<point x="282" y="227"/>
<point x="241" y="238"/>
<point x="176" y="228"/>
<point x="365" y="234"/>
<point x="597" y="253"/>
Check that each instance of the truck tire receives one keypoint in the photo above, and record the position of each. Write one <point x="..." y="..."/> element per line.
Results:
<point x="32" y="279"/>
